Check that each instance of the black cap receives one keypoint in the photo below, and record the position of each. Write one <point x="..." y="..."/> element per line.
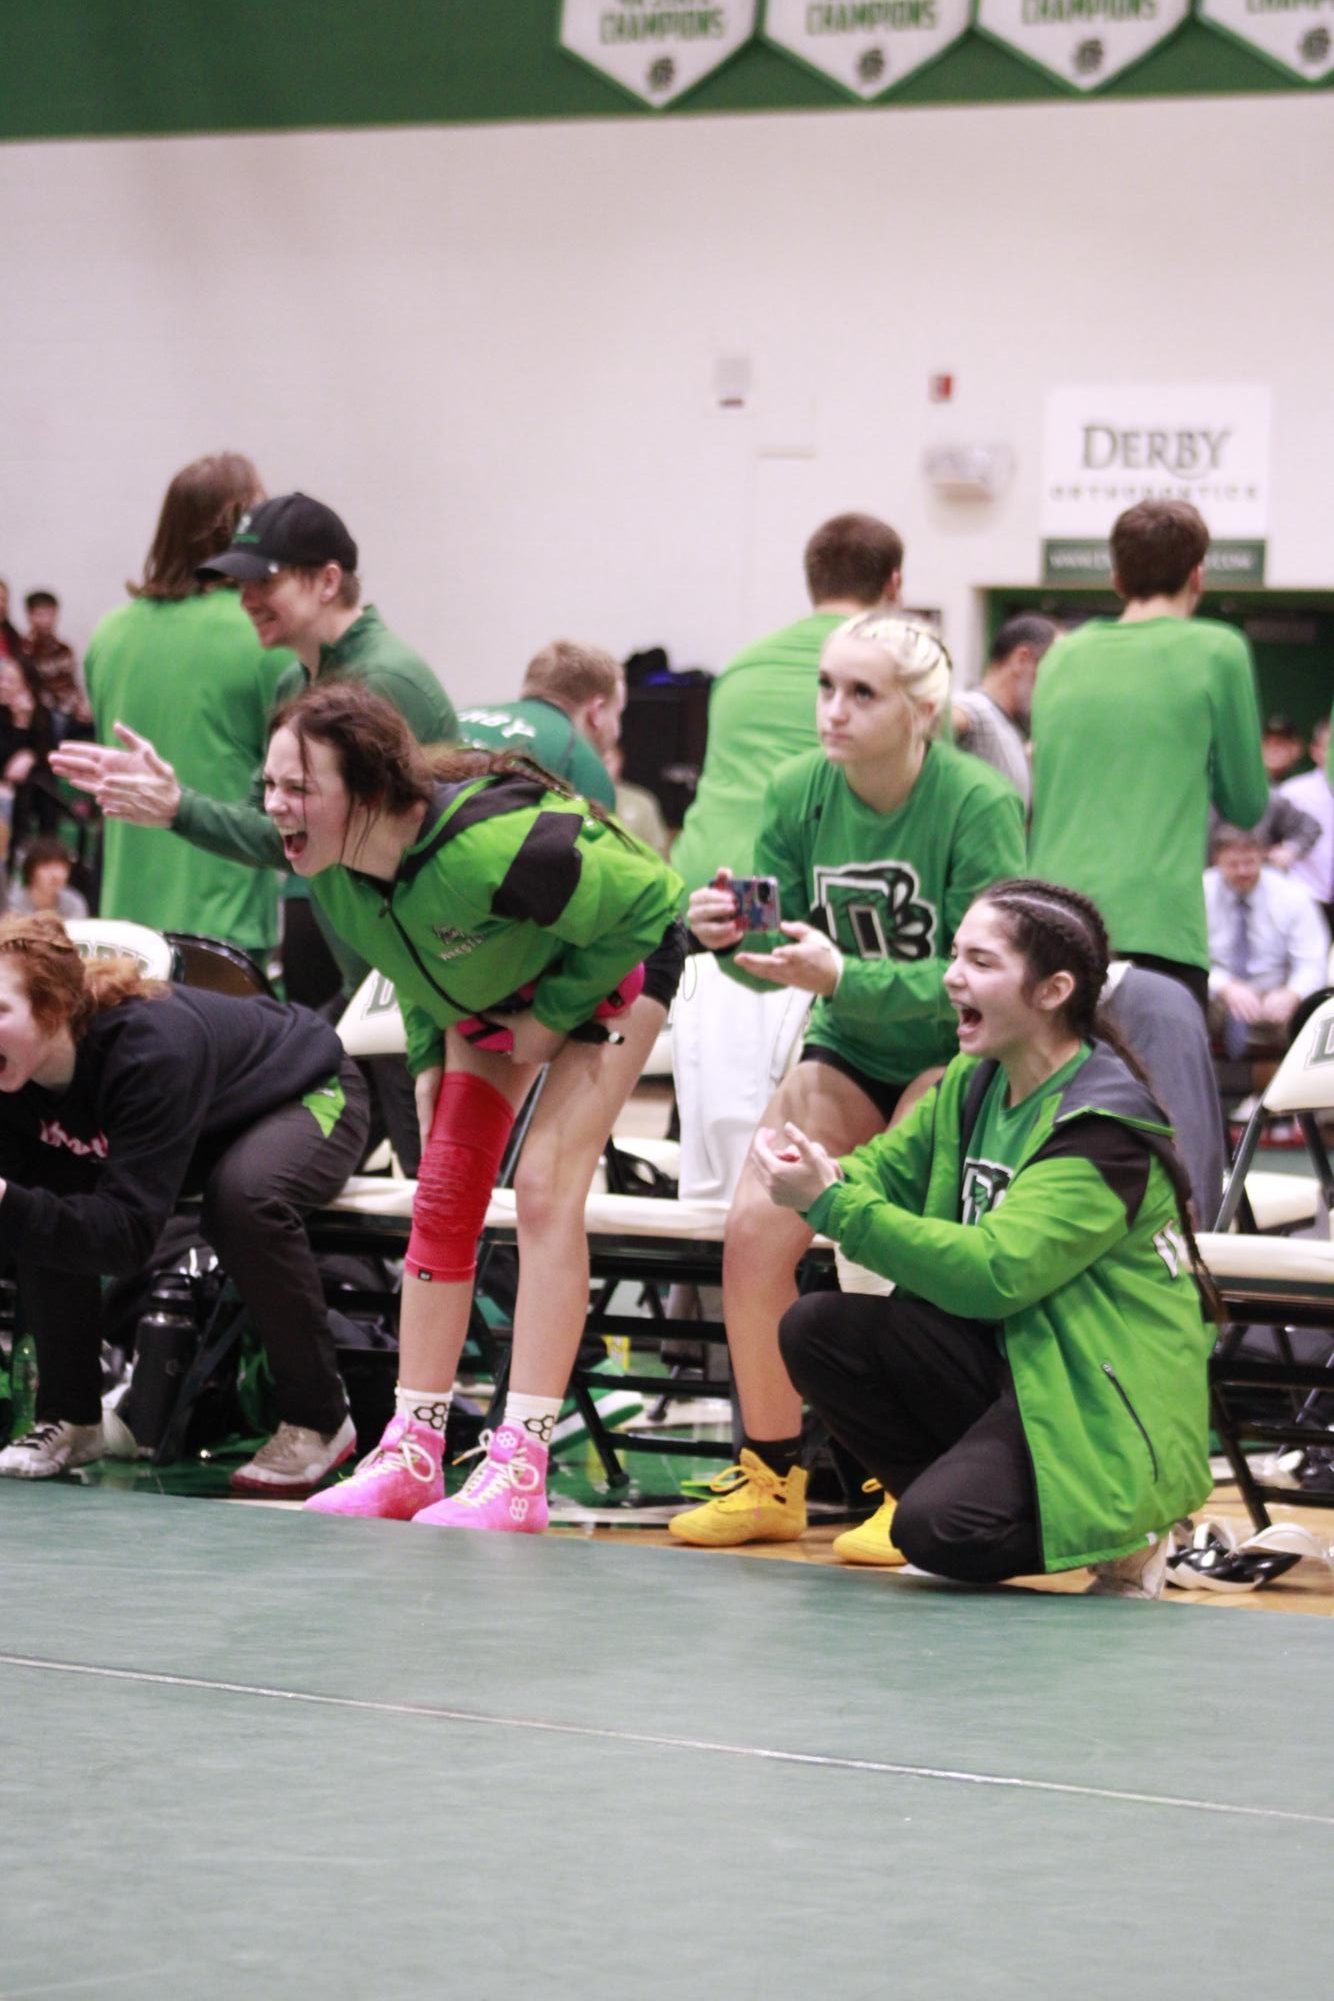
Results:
<point x="291" y="532"/>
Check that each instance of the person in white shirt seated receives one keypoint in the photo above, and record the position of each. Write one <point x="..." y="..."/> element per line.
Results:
<point x="1268" y="944"/>
<point x="1312" y="793"/>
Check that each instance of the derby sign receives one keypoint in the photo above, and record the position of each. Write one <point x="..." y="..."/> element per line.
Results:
<point x="1298" y="34"/>
<point x="657" y="49"/>
<point x="1084" y="42"/>
<point x="1107" y="448"/>
<point x="866" y="45"/>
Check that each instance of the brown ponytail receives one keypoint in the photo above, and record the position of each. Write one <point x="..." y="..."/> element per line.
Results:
<point x="64" y="990"/>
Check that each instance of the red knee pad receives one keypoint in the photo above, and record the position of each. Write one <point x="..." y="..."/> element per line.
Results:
<point x="469" y="1132"/>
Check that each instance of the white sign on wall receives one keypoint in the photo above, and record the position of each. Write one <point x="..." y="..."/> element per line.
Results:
<point x="657" y="49"/>
<point x="1107" y="448"/>
<point x="1084" y="42"/>
<point x="866" y="45"/>
<point x="1299" y="34"/>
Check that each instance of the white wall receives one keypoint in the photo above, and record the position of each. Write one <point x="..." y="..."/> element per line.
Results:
<point x="492" y="348"/>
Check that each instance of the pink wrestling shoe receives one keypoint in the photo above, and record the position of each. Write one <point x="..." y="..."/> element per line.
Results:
<point x="507" y="1491"/>
<point x="395" y="1482"/>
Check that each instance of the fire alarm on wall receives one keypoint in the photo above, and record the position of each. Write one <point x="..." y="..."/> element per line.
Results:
<point x="939" y="388"/>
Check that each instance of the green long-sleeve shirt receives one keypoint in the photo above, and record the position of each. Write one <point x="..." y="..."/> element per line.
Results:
<point x="890" y="889"/>
<point x="1136" y="728"/>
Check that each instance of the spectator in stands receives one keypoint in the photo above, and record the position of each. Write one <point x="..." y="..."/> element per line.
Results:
<point x="1136" y="722"/>
<point x="637" y="808"/>
<point x="116" y="1096"/>
<point x="514" y="919"/>
<point x="568" y="716"/>
<point x="991" y="720"/>
<point x="27" y="737"/>
<point x="11" y="640"/>
<point x="1268" y="944"/>
<point x="296" y="565"/>
<point x="1034" y="1392"/>
<point x="1282" y="747"/>
<point x="1312" y="793"/>
<point x="57" y="666"/>
<point x="44" y="881"/>
<point x="879" y="842"/>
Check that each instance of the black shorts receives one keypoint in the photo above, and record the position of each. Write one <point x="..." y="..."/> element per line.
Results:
<point x="883" y="1096"/>
<point x="662" y="968"/>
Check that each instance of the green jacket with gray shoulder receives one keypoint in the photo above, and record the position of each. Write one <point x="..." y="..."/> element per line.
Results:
<point x="1084" y="1273"/>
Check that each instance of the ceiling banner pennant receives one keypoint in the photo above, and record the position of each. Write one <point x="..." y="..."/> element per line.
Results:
<point x="1083" y="42"/>
<point x="1298" y="35"/>
<point x="867" y="46"/>
<point x="656" y="49"/>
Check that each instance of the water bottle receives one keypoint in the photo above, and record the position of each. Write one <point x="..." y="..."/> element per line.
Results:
<point x="22" y="1386"/>
<point x="165" y="1342"/>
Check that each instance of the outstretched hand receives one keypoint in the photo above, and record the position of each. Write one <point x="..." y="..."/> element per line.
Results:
<point x="128" y="779"/>
<point x="811" y="962"/>
<point x="795" y="1170"/>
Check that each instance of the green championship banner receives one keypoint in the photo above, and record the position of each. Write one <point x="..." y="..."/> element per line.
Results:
<point x="137" y="68"/>
<point x="1083" y="42"/>
<point x="1298" y="35"/>
<point x="866" y="46"/>
<point x="656" y="49"/>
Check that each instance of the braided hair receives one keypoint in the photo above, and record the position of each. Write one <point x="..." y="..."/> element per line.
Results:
<point x="1058" y="930"/>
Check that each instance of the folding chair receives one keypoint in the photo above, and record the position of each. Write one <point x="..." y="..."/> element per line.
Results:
<point x="1284" y="1281"/>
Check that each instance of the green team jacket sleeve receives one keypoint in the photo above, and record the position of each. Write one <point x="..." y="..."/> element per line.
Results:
<point x="623" y="902"/>
<point x="1058" y="1218"/>
<point x="1239" y="783"/>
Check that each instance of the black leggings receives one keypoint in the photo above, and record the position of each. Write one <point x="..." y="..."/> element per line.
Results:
<point x="256" y="1187"/>
<point x="923" y="1400"/>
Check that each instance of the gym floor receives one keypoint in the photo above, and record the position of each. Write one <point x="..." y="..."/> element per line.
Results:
<point x="251" y="1750"/>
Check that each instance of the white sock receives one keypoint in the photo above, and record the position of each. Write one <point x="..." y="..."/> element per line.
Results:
<point x="427" y="1408"/>
<point x="534" y="1415"/>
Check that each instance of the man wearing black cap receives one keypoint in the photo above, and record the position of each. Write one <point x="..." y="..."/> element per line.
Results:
<point x="296" y="566"/>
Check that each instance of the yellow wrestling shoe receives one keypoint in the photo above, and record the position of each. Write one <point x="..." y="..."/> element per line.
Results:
<point x="872" y="1541"/>
<point x="751" y="1504"/>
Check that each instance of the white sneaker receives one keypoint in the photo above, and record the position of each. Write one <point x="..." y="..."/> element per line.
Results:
<point x="1139" y="1575"/>
<point x="57" y="1447"/>
<point x="294" y="1461"/>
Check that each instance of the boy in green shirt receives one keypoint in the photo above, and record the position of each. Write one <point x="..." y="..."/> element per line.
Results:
<point x="1138" y="723"/>
<point x="568" y="717"/>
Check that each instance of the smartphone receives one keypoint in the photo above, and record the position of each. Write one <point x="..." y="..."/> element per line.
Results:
<point x="757" y="901"/>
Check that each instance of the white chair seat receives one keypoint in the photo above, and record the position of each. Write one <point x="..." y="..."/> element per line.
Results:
<point x="1277" y="1268"/>
<point x="1281" y="1201"/>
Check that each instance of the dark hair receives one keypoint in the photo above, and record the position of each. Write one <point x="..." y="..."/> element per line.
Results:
<point x="1155" y="546"/>
<point x="64" y="990"/>
<point x="348" y="595"/>
<point x="852" y="556"/>
<point x="1060" y="931"/>
<point x="381" y="763"/>
<point x="1027" y="628"/>
<point x="46" y="848"/>
<point x="36" y="598"/>
<point x="199" y="514"/>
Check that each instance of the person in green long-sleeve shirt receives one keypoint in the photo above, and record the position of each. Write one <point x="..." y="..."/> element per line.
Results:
<point x="1138" y="724"/>
<point x="296" y="565"/>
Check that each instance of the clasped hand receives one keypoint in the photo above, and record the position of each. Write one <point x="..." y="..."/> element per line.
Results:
<point x="795" y="1170"/>
<point x="128" y="779"/>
